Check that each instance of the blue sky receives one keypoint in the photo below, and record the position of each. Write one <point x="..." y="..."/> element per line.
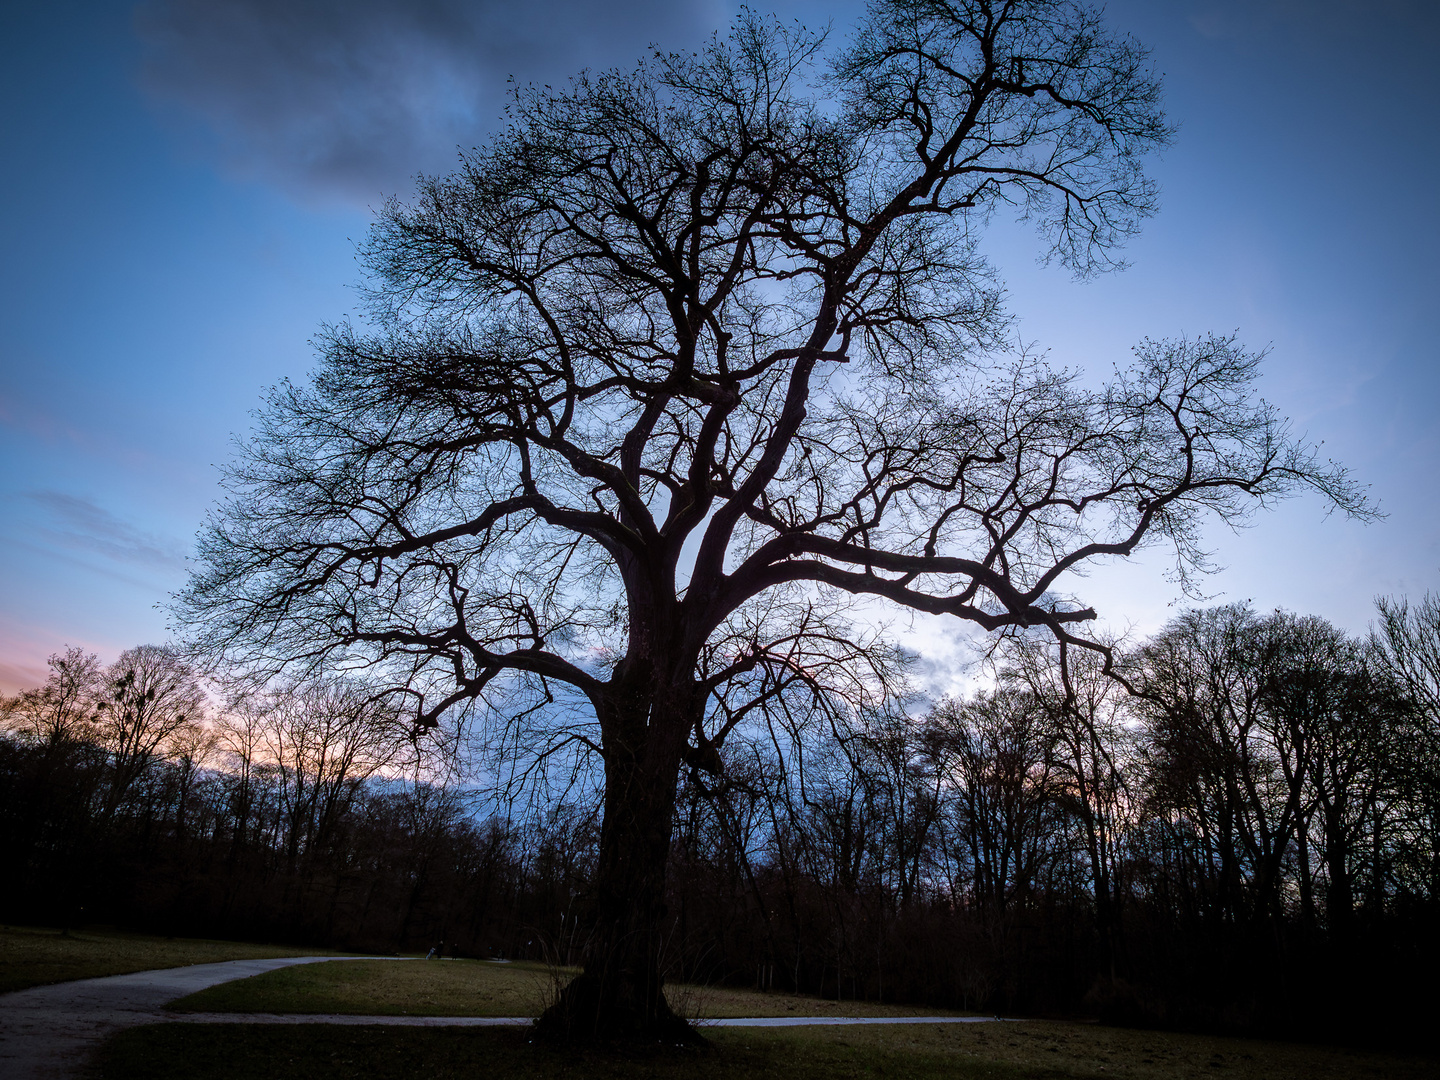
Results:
<point x="184" y="180"/>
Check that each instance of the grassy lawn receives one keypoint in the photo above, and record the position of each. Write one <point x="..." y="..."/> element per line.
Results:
<point x="384" y="988"/>
<point x="30" y="956"/>
<point x="475" y="988"/>
<point x="715" y="1002"/>
<point x="1033" y="1050"/>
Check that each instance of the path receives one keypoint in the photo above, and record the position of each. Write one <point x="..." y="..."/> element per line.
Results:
<point x="513" y="1021"/>
<point x="49" y="1032"/>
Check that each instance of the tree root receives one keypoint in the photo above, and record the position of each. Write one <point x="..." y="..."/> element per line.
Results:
<point x="590" y="1013"/>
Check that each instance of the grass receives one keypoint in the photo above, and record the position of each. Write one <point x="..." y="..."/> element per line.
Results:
<point x="384" y="988"/>
<point x="714" y="1002"/>
<point x="476" y="988"/>
<point x="1031" y="1050"/>
<point x="31" y="956"/>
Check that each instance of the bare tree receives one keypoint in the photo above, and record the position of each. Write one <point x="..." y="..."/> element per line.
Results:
<point x="153" y="697"/>
<point x="65" y="708"/>
<point x="1406" y="646"/>
<point x="240" y="740"/>
<point x="1087" y="713"/>
<point x="1001" y="763"/>
<point x="692" y="356"/>
<point x="1223" y="765"/>
<point x="325" y="739"/>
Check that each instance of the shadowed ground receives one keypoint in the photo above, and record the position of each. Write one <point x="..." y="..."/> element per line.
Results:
<point x="48" y="1032"/>
<point x="1034" y="1050"/>
<point x="483" y="988"/>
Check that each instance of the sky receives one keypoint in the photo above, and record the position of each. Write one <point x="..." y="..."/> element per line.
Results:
<point x="184" y="181"/>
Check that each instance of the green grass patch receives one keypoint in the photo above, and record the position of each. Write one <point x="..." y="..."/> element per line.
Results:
<point x="715" y="1002"/>
<point x="32" y="956"/>
<point x="476" y="988"/>
<point x="384" y="988"/>
<point x="1034" y="1050"/>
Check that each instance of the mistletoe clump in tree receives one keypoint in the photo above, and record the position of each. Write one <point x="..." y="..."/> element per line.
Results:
<point x="692" y="357"/>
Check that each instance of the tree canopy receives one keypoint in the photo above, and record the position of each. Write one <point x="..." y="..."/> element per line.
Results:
<point x="690" y="358"/>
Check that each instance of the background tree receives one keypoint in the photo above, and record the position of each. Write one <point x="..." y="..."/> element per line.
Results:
<point x="1342" y="716"/>
<point x="325" y="738"/>
<point x="64" y="709"/>
<point x="683" y="363"/>
<point x="1405" y="644"/>
<point x="1087" y="713"/>
<point x="1230" y="769"/>
<point x="152" y="697"/>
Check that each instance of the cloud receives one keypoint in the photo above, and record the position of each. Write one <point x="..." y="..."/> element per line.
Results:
<point x="80" y="523"/>
<point x="350" y="99"/>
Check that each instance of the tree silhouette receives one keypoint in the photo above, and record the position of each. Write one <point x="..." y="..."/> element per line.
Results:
<point x="693" y="359"/>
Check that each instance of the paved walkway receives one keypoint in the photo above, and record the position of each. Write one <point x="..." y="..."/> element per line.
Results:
<point x="513" y="1021"/>
<point x="49" y="1032"/>
<point x="807" y="1021"/>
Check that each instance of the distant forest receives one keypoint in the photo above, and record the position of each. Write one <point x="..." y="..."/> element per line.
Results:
<point x="1242" y="833"/>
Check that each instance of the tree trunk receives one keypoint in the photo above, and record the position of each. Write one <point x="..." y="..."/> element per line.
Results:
<point x="1339" y="896"/>
<point x="620" y="993"/>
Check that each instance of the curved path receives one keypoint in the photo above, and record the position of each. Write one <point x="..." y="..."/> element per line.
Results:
<point x="49" y="1032"/>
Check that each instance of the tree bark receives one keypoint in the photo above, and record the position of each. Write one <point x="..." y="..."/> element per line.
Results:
<point x="620" y="995"/>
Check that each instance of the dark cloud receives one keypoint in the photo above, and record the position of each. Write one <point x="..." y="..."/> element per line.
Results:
<point x="78" y="523"/>
<point x="353" y="98"/>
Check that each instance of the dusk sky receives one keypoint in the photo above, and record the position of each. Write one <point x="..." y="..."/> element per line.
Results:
<point x="185" y="180"/>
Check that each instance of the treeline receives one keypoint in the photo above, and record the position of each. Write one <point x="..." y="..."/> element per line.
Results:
<point x="305" y="814"/>
<point x="1240" y="832"/>
<point x="1243" y="834"/>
